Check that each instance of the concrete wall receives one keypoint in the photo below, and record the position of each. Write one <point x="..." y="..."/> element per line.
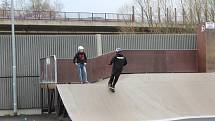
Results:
<point x="206" y="49"/>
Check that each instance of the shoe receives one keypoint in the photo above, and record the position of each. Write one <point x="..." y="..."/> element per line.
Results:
<point x="86" y="82"/>
<point x="82" y="82"/>
<point x="112" y="89"/>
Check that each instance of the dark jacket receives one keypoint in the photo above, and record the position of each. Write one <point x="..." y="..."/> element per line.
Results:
<point x="118" y="62"/>
<point x="80" y="57"/>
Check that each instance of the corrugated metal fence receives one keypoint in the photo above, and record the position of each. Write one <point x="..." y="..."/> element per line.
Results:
<point x="149" y="42"/>
<point x="30" y="48"/>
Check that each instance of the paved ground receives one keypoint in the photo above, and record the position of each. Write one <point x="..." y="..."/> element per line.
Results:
<point x="34" y="118"/>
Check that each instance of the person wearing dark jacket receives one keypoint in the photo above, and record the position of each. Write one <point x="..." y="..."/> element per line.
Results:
<point x="80" y="60"/>
<point x="118" y="61"/>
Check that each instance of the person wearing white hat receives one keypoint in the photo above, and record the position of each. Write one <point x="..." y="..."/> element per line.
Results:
<point x="118" y="61"/>
<point x="80" y="60"/>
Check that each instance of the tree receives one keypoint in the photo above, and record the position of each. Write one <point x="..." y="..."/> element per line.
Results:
<point x="5" y="5"/>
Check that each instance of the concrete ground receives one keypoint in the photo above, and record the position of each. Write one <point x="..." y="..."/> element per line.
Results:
<point x="44" y="117"/>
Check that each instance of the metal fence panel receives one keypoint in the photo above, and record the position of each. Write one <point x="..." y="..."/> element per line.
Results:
<point x="28" y="93"/>
<point x="30" y="48"/>
<point x="6" y="93"/>
<point x="149" y="42"/>
<point x="5" y="56"/>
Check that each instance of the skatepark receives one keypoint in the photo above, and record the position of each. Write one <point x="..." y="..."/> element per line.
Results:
<point x="143" y="92"/>
<point x="172" y="80"/>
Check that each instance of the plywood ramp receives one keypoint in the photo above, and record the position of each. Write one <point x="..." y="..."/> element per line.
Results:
<point x="141" y="97"/>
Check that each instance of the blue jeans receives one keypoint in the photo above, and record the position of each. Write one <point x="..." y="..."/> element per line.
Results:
<point x="82" y="72"/>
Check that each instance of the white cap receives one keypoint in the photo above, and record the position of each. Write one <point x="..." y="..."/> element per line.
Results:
<point x="118" y="50"/>
<point x="80" y="48"/>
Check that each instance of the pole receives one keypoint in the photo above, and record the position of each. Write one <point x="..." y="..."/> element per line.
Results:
<point x="14" y="59"/>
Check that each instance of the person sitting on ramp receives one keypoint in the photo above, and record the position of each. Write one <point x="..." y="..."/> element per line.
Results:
<point x="118" y="62"/>
<point x="80" y="60"/>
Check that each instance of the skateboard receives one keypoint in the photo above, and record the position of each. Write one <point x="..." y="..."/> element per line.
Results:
<point x="84" y="82"/>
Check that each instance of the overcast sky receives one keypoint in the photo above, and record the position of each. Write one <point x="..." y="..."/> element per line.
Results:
<point x="93" y="5"/>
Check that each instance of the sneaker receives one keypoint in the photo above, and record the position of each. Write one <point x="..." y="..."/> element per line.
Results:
<point x="112" y="89"/>
<point x="86" y="82"/>
<point x="82" y="82"/>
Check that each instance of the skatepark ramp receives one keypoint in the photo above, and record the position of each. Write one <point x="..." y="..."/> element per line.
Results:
<point x="141" y="97"/>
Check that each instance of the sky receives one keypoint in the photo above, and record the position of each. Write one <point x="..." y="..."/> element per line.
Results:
<point x="103" y="6"/>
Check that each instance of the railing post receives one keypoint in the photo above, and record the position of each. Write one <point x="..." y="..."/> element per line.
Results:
<point x="117" y="16"/>
<point x="65" y="16"/>
<point x="105" y="16"/>
<point x="34" y="13"/>
<point x="92" y="17"/>
<point x="3" y="14"/>
<point x="50" y="15"/>
<point x="79" y="16"/>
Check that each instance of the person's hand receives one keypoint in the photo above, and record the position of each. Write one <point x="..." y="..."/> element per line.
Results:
<point x="85" y="64"/>
<point x="76" y="64"/>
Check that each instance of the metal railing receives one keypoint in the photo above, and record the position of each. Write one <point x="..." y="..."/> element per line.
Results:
<point x="66" y="16"/>
<point x="48" y="67"/>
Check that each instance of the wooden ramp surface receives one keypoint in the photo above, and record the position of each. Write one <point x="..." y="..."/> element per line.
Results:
<point x="141" y="97"/>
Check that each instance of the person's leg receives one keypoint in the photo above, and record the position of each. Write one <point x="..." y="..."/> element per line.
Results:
<point x="85" y="74"/>
<point x="111" y="80"/>
<point x="116" y="78"/>
<point x="80" y="72"/>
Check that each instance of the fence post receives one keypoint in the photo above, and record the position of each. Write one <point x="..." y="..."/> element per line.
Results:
<point x="79" y="16"/>
<point x="117" y="16"/>
<point x="65" y="15"/>
<point x="99" y="44"/>
<point x="3" y="14"/>
<point x="105" y="16"/>
<point x="50" y="14"/>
